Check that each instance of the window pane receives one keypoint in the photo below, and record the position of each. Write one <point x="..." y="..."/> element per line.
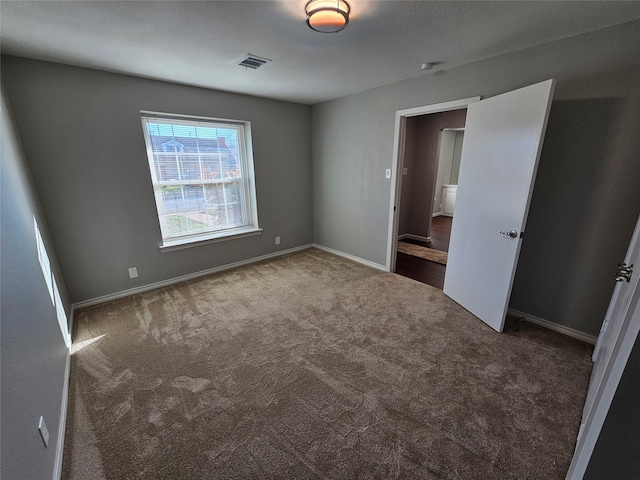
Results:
<point x="214" y="194"/>
<point x="193" y="198"/>
<point x="224" y="203"/>
<point x="185" y="224"/>
<point x="232" y="192"/>
<point x="184" y="131"/>
<point x="171" y="196"/>
<point x="166" y="167"/>
<point x="160" y="129"/>
<point x="182" y="198"/>
<point x="231" y="167"/>
<point x="190" y="167"/>
<point x="216" y="216"/>
<point x="211" y="167"/>
<point x="234" y="215"/>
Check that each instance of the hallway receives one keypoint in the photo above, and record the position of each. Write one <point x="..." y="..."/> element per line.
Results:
<point x="422" y="270"/>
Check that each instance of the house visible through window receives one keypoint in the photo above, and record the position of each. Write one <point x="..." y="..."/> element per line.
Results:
<point x="202" y="174"/>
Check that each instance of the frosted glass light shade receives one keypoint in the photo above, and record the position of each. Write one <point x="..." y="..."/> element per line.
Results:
<point x="327" y="16"/>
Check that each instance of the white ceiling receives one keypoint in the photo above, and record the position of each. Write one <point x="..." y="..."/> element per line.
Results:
<point x="198" y="43"/>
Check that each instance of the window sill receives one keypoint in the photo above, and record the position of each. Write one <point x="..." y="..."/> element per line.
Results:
<point x="206" y="239"/>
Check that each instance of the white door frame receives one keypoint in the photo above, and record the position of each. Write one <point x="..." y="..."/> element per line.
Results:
<point x="593" y="425"/>
<point x="399" y="138"/>
<point x="605" y="389"/>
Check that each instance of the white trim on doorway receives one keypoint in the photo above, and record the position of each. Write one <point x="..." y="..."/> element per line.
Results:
<point x="396" y="166"/>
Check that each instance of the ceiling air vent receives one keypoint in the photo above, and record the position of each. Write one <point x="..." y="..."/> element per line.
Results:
<point x="253" y="61"/>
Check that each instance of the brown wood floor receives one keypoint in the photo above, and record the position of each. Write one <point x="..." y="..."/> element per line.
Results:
<point x="422" y="270"/>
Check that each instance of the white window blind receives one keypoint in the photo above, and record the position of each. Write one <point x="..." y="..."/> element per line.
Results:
<point x="202" y="175"/>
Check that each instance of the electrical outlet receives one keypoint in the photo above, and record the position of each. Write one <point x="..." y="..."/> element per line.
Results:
<point x="387" y="173"/>
<point x="405" y="170"/>
<point x="44" y="433"/>
<point x="277" y="240"/>
<point x="133" y="272"/>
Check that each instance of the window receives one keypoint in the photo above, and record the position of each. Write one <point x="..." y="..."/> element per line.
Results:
<point x="43" y="259"/>
<point x="202" y="174"/>
<point x="52" y="287"/>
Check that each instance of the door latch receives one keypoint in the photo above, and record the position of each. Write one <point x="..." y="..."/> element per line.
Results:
<point x="510" y="234"/>
<point x="624" y="272"/>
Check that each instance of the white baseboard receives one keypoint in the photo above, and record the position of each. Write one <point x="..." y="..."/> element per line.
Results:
<point x="57" y="468"/>
<point x="414" y="237"/>
<point x="377" y="266"/>
<point x="182" y="278"/>
<point x="585" y="337"/>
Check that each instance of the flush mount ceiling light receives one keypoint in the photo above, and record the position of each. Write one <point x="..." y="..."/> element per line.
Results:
<point x="327" y="16"/>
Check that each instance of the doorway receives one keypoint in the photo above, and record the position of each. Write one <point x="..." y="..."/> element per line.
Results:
<point x="399" y="149"/>
<point x="425" y="259"/>
<point x="426" y="140"/>
<point x="503" y="141"/>
<point x="429" y="188"/>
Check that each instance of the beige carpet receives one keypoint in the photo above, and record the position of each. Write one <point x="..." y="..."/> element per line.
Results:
<point x="423" y="252"/>
<point x="312" y="366"/>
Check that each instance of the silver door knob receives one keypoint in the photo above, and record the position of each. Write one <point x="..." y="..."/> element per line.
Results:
<point x="510" y="233"/>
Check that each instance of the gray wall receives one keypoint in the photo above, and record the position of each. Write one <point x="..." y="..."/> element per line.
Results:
<point x="33" y="354"/>
<point x="615" y="456"/>
<point x="83" y="140"/>
<point x="586" y="199"/>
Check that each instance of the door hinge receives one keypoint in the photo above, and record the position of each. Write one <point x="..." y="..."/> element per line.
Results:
<point x="624" y="272"/>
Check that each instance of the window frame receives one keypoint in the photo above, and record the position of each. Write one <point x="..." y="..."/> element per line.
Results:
<point x="248" y="201"/>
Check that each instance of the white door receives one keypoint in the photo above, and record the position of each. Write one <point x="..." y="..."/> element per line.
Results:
<point x="503" y="140"/>
<point x="617" y="337"/>
<point x="613" y="325"/>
